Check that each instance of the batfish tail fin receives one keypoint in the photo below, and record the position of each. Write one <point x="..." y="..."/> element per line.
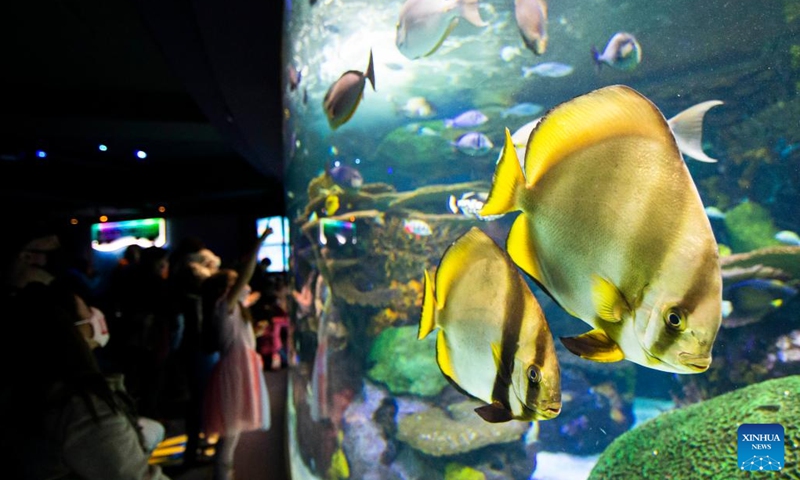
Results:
<point x="687" y="127"/>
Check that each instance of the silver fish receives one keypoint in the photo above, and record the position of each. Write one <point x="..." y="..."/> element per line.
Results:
<point x="474" y="144"/>
<point x="470" y="205"/>
<point x="468" y="119"/>
<point x="788" y="237"/>
<point x="525" y="109"/>
<point x="548" y="69"/>
<point x="424" y="24"/>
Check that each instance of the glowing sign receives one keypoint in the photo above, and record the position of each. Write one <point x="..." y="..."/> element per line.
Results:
<point x="113" y="236"/>
<point x="340" y="231"/>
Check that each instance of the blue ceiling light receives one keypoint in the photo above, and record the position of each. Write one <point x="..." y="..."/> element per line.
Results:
<point x="141" y="154"/>
<point x="41" y="153"/>
<point x="102" y="148"/>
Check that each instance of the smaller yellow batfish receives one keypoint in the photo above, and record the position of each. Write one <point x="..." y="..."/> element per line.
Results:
<point x="613" y="228"/>
<point x="493" y="342"/>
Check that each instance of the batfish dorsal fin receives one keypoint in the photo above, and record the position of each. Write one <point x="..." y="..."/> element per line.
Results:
<point x="427" y="320"/>
<point x="508" y="177"/>
<point x="587" y="120"/>
<point x="594" y="345"/>
<point x="468" y="248"/>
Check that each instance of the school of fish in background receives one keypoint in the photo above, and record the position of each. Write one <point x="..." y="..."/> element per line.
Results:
<point x="424" y="25"/>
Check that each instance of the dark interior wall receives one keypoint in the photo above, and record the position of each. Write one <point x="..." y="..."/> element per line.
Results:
<point x="226" y="235"/>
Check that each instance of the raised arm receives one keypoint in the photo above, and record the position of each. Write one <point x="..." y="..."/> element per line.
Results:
<point x="246" y="270"/>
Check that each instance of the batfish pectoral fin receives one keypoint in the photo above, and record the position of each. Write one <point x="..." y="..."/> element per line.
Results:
<point x="609" y="303"/>
<point x="427" y="320"/>
<point x="494" y="413"/>
<point x="594" y="345"/>
<point x="519" y="245"/>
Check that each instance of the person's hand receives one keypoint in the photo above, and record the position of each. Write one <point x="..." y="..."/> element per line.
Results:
<point x="252" y="298"/>
<point x="260" y="328"/>
<point x="267" y="232"/>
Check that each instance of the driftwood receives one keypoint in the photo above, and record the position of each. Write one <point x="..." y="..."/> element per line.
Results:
<point x="781" y="263"/>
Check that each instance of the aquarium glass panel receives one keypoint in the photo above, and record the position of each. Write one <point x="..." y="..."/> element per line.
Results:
<point x="543" y="239"/>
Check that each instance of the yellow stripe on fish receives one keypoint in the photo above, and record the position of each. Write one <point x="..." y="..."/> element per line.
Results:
<point x="493" y="341"/>
<point x="613" y="228"/>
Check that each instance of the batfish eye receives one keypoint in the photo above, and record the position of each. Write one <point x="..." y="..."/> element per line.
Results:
<point x="534" y="376"/>
<point x="674" y="319"/>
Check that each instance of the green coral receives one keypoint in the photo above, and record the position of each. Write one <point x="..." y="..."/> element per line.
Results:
<point x="456" y="471"/>
<point x="699" y="441"/>
<point x="458" y="430"/>
<point x="794" y="51"/>
<point x="750" y="227"/>
<point x="405" y="364"/>
<point x="791" y="10"/>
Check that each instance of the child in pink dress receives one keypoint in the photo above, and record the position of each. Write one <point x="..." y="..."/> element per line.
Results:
<point x="236" y="399"/>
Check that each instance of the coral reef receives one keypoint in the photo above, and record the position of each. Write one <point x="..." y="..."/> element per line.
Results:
<point x="699" y="441"/>
<point x="405" y="364"/>
<point x="750" y="227"/>
<point x="457" y="430"/>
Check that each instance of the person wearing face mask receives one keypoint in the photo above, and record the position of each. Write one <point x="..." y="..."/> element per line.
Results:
<point x="236" y="398"/>
<point x="94" y="330"/>
<point x="62" y="418"/>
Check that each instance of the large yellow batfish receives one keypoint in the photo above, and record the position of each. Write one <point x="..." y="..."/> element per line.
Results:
<point x="493" y="342"/>
<point x="614" y="230"/>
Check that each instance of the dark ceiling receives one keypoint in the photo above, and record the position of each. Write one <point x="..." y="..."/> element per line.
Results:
<point x="195" y="84"/>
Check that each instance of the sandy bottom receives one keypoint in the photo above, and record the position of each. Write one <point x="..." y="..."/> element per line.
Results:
<point x="562" y="466"/>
